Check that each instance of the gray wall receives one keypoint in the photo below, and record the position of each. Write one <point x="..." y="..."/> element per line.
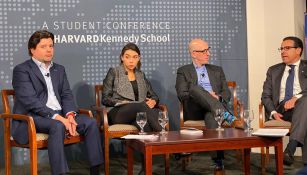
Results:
<point x="221" y="22"/>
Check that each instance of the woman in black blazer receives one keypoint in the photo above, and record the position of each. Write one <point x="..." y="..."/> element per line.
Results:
<point x="126" y="91"/>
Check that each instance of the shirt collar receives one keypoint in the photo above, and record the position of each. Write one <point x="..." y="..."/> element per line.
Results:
<point x="197" y="67"/>
<point x="40" y="64"/>
<point x="297" y="63"/>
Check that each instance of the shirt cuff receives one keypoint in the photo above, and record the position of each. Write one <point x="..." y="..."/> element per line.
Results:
<point x="73" y="113"/>
<point x="54" y="115"/>
<point x="271" y="116"/>
<point x="298" y="96"/>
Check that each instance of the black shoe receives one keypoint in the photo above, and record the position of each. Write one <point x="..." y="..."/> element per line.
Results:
<point x="94" y="170"/>
<point x="219" y="167"/>
<point x="288" y="158"/>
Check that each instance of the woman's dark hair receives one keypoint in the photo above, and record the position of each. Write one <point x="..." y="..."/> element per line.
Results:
<point x="134" y="47"/>
<point x="297" y="42"/>
<point x="36" y="38"/>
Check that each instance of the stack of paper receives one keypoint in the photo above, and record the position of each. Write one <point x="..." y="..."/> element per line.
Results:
<point x="191" y="131"/>
<point x="271" y="132"/>
<point x="141" y="137"/>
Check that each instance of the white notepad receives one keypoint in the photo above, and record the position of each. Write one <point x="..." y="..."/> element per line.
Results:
<point x="191" y="131"/>
<point x="141" y="137"/>
<point x="271" y="132"/>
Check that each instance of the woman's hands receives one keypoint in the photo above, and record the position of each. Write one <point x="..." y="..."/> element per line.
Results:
<point x="151" y="103"/>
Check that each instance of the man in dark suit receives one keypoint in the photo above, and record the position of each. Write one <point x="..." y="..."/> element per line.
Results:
<point x="42" y="91"/>
<point x="284" y="95"/>
<point x="202" y="88"/>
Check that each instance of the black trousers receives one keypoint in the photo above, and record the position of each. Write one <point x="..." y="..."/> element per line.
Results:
<point x="298" y="118"/>
<point x="126" y="114"/>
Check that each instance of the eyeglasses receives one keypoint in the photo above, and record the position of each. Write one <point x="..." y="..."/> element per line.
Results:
<point x="286" y="48"/>
<point x="203" y="51"/>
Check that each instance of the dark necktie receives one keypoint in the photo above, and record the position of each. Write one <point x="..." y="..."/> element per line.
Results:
<point x="289" y="84"/>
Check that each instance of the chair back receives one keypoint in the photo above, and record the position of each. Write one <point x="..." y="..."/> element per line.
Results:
<point x="6" y="94"/>
<point x="233" y="87"/>
<point x="98" y="91"/>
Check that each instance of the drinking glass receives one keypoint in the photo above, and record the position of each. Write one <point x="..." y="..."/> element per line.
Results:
<point x="163" y="120"/>
<point x="248" y="116"/>
<point x="141" y="120"/>
<point x="219" y="118"/>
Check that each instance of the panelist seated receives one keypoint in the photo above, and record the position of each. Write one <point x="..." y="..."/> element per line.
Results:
<point x="202" y="88"/>
<point x="126" y="91"/>
<point x="284" y="95"/>
<point x="42" y="91"/>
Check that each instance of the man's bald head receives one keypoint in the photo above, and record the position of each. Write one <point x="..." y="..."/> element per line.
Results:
<point x="197" y="44"/>
<point x="200" y="51"/>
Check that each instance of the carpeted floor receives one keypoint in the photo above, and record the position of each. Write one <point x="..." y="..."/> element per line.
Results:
<point x="201" y="164"/>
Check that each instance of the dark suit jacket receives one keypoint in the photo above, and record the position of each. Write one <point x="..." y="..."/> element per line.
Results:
<point x="187" y="77"/>
<point x="117" y="88"/>
<point x="31" y="94"/>
<point x="271" y="86"/>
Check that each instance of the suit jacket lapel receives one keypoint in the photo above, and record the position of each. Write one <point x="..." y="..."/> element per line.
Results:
<point x="54" y="75"/>
<point x="279" y="73"/>
<point x="37" y="72"/>
<point x="142" y="90"/>
<point x="124" y="86"/>
<point x="193" y="74"/>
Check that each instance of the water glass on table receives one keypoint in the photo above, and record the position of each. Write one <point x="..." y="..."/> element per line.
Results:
<point x="219" y="118"/>
<point x="163" y="120"/>
<point x="248" y="116"/>
<point x="141" y="120"/>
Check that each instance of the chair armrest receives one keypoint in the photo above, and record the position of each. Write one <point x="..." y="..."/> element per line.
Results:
<point x="181" y="115"/>
<point x="26" y="118"/>
<point x="261" y="116"/>
<point x="241" y="110"/>
<point x="162" y="107"/>
<point x="239" y="122"/>
<point x="86" y="112"/>
<point x="103" y="110"/>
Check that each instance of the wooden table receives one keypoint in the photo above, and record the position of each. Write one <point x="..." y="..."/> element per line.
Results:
<point x="211" y="140"/>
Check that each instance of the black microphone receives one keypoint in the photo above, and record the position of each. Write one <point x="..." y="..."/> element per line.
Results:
<point x="47" y="74"/>
<point x="126" y="73"/>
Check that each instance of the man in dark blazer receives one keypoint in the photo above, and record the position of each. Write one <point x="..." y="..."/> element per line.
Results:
<point x="284" y="95"/>
<point x="43" y="92"/>
<point x="202" y="88"/>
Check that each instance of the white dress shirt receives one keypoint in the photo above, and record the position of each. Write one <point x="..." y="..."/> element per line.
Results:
<point x="52" y="101"/>
<point x="296" y="84"/>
